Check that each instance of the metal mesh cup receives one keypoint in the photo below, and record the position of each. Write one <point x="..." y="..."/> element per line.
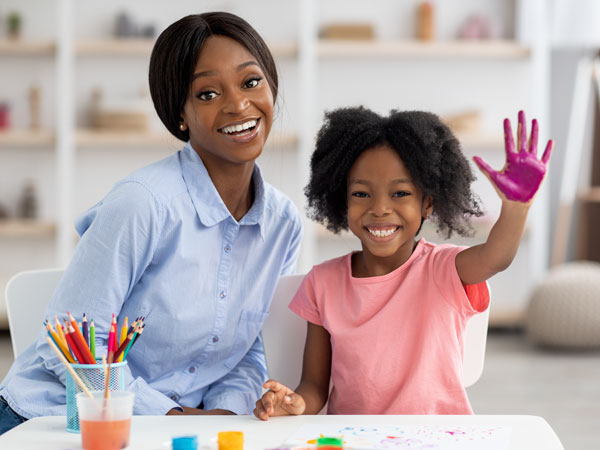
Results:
<point x="92" y="376"/>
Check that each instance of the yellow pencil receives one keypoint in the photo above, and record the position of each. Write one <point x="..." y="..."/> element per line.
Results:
<point x="60" y="332"/>
<point x="123" y="337"/>
<point x="60" y="344"/>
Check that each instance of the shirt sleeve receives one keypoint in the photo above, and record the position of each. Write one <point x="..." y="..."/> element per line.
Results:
<point x="468" y="299"/>
<point x="289" y="265"/>
<point x="242" y="386"/>
<point x="304" y="302"/>
<point x="118" y="238"/>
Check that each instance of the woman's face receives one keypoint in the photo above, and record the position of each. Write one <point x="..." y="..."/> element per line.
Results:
<point x="229" y="109"/>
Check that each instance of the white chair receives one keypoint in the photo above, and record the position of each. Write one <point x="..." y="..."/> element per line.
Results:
<point x="27" y="294"/>
<point x="284" y="334"/>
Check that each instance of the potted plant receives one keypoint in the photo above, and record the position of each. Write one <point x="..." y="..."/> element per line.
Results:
<point x="15" y="22"/>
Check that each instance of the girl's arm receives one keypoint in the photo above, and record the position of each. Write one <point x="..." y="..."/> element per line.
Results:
<point x="311" y="394"/>
<point x="516" y="184"/>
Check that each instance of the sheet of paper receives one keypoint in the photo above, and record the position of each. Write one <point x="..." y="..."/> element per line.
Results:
<point x="414" y="437"/>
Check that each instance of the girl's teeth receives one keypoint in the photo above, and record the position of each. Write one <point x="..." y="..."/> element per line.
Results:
<point x="382" y="233"/>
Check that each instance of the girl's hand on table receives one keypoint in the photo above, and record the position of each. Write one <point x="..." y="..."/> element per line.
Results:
<point x="279" y="400"/>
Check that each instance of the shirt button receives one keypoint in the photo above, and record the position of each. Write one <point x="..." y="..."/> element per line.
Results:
<point x="215" y="339"/>
<point x="192" y="369"/>
<point x="222" y="294"/>
<point x="174" y="397"/>
<point x="227" y="248"/>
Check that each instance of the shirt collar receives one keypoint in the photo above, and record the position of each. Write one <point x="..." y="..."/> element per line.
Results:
<point x="209" y="206"/>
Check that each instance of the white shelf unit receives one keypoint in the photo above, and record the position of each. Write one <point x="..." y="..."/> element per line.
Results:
<point x="308" y="85"/>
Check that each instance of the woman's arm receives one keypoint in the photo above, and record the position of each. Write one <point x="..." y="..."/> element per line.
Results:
<point x="516" y="184"/>
<point x="311" y="394"/>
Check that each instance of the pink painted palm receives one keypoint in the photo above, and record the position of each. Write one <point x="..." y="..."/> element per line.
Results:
<point x="521" y="176"/>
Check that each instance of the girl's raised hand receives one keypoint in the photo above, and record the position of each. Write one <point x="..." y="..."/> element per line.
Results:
<point x="523" y="172"/>
<point x="279" y="400"/>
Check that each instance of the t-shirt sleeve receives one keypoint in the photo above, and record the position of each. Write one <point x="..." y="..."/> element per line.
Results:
<point x="305" y="303"/>
<point x="469" y="299"/>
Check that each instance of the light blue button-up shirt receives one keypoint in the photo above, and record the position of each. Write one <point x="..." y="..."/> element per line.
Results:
<point x="163" y="245"/>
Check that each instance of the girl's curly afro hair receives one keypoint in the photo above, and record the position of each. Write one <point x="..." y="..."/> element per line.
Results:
<point x="427" y="147"/>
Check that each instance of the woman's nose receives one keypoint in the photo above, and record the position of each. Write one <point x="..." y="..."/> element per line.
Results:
<point x="235" y="102"/>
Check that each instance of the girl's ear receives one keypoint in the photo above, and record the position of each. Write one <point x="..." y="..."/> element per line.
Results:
<point x="427" y="206"/>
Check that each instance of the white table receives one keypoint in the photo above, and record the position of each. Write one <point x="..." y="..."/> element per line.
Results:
<point x="156" y="432"/>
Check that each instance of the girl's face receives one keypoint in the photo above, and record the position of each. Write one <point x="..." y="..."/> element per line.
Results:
<point x="385" y="207"/>
<point x="229" y="109"/>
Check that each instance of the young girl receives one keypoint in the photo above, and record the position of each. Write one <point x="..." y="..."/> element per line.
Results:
<point x="386" y="323"/>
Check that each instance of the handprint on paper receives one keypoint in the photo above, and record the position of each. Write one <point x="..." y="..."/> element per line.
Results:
<point x="523" y="172"/>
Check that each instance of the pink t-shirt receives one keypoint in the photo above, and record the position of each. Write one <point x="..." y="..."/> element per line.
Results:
<point x="396" y="339"/>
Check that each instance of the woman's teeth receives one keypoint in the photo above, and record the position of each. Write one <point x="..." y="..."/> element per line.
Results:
<point x="382" y="232"/>
<point x="240" y="127"/>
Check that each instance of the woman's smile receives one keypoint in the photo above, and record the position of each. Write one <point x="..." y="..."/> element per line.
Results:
<point x="242" y="131"/>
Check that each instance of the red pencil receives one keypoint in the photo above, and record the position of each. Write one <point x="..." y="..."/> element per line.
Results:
<point x="71" y="344"/>
<point x="111" y="341"/>
<point x="80" y="341"/>
<point x="126" y="342"/>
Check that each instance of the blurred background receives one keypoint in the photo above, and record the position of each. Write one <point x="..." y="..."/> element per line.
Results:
<point x="76" y="116"/>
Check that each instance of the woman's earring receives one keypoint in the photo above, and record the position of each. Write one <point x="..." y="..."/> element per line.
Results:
<point x="182" y="126"/>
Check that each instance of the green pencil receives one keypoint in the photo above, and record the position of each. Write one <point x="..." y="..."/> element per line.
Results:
<point x="93" y="339"/>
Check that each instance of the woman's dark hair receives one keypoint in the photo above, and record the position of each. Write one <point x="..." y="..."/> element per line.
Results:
<point x="175" y="54"/>
<point x="427" y="147"/>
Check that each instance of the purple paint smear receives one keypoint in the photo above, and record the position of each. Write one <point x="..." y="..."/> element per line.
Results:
<point x="521" y="176"/>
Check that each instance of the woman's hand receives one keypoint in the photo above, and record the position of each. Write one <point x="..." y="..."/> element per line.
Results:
<point x="279" y="400"/>
<point x="523" y="173"/>
<point x="199" y="412"/>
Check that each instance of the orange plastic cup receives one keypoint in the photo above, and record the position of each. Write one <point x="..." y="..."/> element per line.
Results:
<point x="105" y="424"/>
<point x="230" y="440"/>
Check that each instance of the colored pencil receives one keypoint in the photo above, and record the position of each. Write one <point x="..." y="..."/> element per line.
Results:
<point x="136" y="336"/>
<point x="72" y="345"/>
<point x="64" y="349"/>
<point x="78" y="338"/>
<point x="78" y="380"/>
<point x="85" y="330"/>
<point x="123" y="337"/>
<point x="119" y="354"/>
<point x="59" y="330"/>
<point x="111" y="339"/>
<point x="93" y="339"/>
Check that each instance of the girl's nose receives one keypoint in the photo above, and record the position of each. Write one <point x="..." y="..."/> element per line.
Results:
<point x="381" y="206"/>
<point x="235" y="102"/>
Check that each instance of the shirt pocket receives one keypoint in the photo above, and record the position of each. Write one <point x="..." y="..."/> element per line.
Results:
<point x="249" y="325"/>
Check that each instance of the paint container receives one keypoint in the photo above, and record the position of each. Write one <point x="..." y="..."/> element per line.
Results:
<point x="185" y="443"/>
<point x="328" y="443"/>
<point x="230" y="440"/>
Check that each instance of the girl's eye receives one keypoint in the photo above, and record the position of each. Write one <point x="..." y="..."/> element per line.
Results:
<point x="360" y="194"/>
<point x="400" y="194"/>
<point x="252" y="82"/>
<point x="207" y="95"/>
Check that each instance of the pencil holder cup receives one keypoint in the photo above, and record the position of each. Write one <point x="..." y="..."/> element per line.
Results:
<point x="92" y="376"/>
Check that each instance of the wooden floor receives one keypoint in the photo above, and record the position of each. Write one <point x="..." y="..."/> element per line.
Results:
<point x="519" y="378"/>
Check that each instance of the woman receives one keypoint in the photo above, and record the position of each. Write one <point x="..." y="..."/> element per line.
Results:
<point x="195" y="242"/>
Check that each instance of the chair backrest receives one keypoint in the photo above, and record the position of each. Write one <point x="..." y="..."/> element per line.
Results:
<point x="27" y="294"/>
<point x="284" y="334"/>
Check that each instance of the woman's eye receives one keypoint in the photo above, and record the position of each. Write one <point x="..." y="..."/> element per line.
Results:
<point x="207" y="95"/>
<point x="400" y="194"/>
<point x="360" y="194"/>
<point x="253" y="82"/>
